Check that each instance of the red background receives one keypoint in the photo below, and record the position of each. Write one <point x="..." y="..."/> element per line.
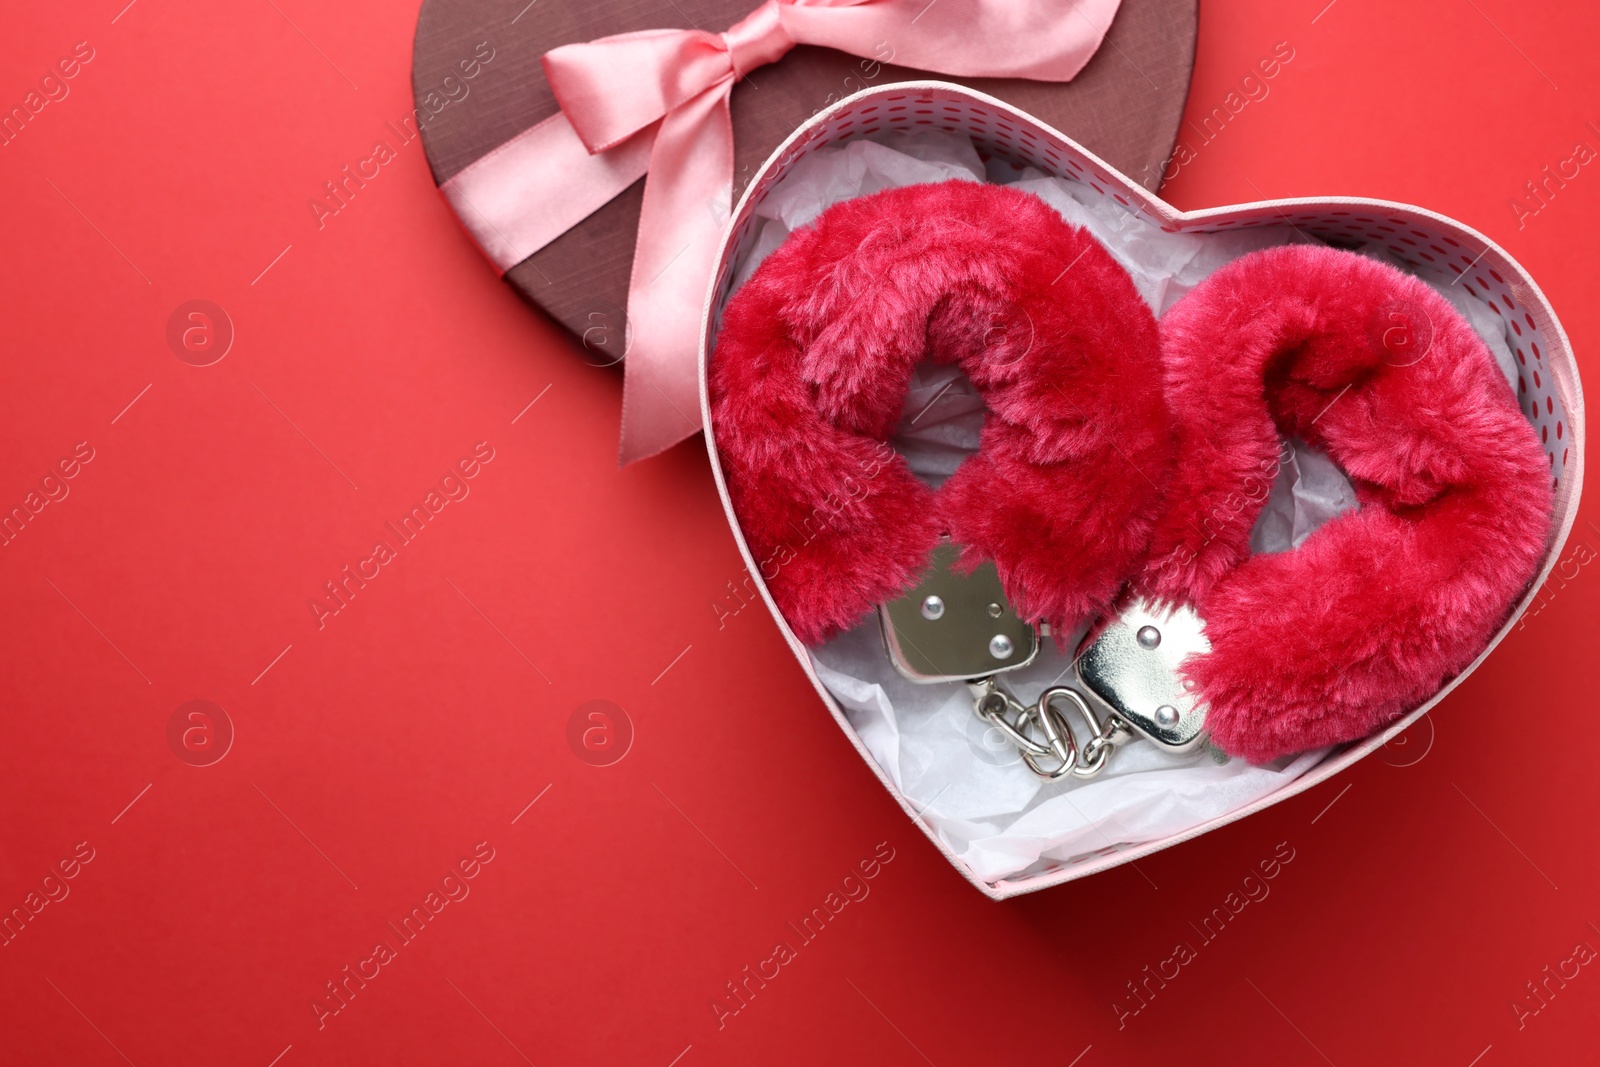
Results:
<point x="425" y="716"/>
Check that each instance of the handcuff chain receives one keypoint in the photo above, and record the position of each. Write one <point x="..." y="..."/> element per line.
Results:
<point x="1042" y="733"/>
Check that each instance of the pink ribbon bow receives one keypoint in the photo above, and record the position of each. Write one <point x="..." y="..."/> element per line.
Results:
<point x="656" y="102"/>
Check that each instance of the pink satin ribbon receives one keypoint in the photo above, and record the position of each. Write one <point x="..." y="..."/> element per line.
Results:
<point x="656" y="102"/>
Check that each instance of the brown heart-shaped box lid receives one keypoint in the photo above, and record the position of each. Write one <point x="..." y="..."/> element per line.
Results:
<point x="478" y="82"/>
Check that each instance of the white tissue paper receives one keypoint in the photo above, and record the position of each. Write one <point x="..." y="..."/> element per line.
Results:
<point x="963" y="776"/>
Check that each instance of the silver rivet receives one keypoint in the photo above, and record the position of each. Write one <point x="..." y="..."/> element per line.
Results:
<point x="932" y="608"/>
<point x="1000" y="646"/>
<point x="995" y="611"/>
<point x="1148" y="637"/>
<point x="1167" y="715"/>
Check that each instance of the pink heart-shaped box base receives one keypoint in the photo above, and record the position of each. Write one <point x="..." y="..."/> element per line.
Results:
<point x="1548" y="387"/>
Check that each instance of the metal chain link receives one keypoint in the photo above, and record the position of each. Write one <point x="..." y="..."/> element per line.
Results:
<point x="1042" y="733"/>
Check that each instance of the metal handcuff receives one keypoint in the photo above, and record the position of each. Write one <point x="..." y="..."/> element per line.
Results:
<point x="961" y="628"/>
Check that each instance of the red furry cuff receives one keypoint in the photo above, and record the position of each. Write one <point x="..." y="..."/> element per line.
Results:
<point x="810" y="373"/>
<point x="1379" y="607"/>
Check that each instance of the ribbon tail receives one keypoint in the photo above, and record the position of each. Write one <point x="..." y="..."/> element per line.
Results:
<point x="1049" y="41"/>
<point x="540" y="184"/>
<point x="688" y="197"/>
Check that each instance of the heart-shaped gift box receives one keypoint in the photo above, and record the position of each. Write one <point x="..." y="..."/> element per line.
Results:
<point x="1548" y="388"/>
<point x="478" y="83"/>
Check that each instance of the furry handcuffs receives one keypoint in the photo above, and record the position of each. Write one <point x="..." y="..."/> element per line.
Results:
<point x="1121" y="468"/>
